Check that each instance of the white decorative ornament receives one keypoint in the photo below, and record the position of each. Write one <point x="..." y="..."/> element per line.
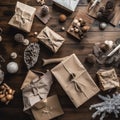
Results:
<point x="13" y="55"/>
<point x="26" y="42"/>
<point x="12" y="67"/>
<point x="109" y="43"/>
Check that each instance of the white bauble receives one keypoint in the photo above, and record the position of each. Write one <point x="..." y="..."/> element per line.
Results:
<point x="1" y="76"/>
<point x="12" y="67"/>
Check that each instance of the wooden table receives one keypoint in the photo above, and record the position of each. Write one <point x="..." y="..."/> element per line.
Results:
<point x="14" y="110"/>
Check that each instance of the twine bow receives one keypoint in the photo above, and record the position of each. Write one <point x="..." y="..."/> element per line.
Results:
<point x="21" y="18"/>
<point x="37" y="88"/>
<point x="78" y="85"/>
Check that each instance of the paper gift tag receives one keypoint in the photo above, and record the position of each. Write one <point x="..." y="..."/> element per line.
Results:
<point x="75" y="80"/>
<point x="68" y="5"/>
<point x="51" y="39"/>
<point x="108" y="79"/>
<point x="47" y="109"/>
<point x="23" y="17"/>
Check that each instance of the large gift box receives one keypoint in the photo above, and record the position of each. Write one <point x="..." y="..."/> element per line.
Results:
<point x="47" y="109"/>
<point x="108" y="79"/>
<point x="51" y="39"/>
<point x="23" y="17"/>
<point x="35" y="88"/>
<point x="68" y="5"/>
<point x="75" y="80"/>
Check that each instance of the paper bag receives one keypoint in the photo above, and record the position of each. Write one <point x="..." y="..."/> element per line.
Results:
<point x="47" y="109"/>
<point x="108" y="79"/>
<point x="75" y="80"/>
<point x="51" y="39"/>
<point x="68" y="5"/>
<point x="36" y="90"/>
<point x="23" y="17"/>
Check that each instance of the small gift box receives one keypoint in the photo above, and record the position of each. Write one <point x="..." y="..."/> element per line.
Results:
<point x="108" y="79"/>
<point x="23" y="17"/>
<point x="51" y="39"/>
<point x="75" y="80"/>
<point x="47" y="109"/>
<point x="35" y="88"/>
<point x="68" y="5"/>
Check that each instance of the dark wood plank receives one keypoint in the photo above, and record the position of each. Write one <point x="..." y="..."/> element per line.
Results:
<point x="14" y="110"/>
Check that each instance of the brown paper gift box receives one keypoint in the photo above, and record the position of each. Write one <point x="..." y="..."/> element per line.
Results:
<point x="108" y="79"/>
<point x="75" y="80"/>
<point x="23" y="17"/>
<point x="29" y="77"/>
<point x="35" y="88"/>
<point x="47" y="109"/>
<point x="51" y="39"/>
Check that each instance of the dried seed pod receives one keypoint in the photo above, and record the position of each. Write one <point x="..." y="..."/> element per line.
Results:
<point x="10" y="91"/>
<point x="9" y="97"/>
<point x="19" y="37"/>
<point x="104" y="47"/>
<point x="62" y="18"/>
<point x="99" y="15"/>
<point x="2" y="87"/>
<point x="4" y="99"/>
<point x="75" y="23"/>
<point x="85" y="28"/>
<point x="109" y="5"/>
<point x="76" y="30"/>
<point x="80" y="20"/>
<point x="83" y="23"/>
<point x="102" y="9"/>
<point x="91" y="59"/>
<point x="44" y="10"/>
<point x="2" y="95"/>
<point x="71" y="29"/>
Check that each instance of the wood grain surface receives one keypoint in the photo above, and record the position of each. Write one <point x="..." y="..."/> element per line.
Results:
<point x="14" y="110"/>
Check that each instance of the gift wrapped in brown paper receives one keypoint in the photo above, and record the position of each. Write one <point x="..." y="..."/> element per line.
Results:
<point x="35" y="88"/>
<point x="47" y="109"/>
<point x="108" y="79"/>
<point x="75" y="80"/>
<point x="23" y="17"/>
<point x="51" y="39"/>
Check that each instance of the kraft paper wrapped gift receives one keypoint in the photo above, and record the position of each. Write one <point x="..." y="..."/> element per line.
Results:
<point x="47" y="109"/>
<point x="51" y="39"/>
<point x="75" y="80"/>
<point x="108" y="79"/>
<point x="23" y="17"/>
<point x="68" y="5"/>
<point x="35" y="88"/>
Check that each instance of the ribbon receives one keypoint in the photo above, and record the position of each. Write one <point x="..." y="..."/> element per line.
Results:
<point x="21" y="18"/>
<point x="74" y="79"/>
<point x="50" y="41"/>
<point x="36" y="86"/>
